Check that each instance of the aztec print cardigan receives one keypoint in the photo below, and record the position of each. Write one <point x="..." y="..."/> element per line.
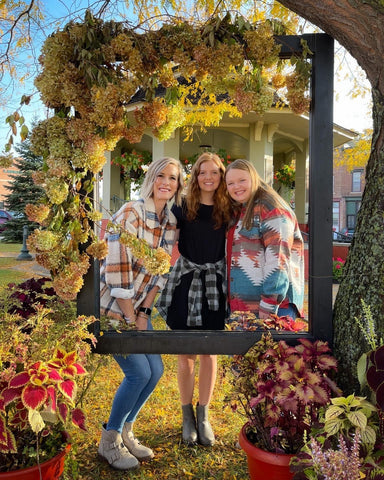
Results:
<point x="121" y="274"/>
<point x="266" y="263"/>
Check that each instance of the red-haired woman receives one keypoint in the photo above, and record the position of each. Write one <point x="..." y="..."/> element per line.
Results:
<point x="195" y="294"/>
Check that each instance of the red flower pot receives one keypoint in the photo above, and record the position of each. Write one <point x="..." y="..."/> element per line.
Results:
<point x="50" y="470"/>
<point x="263" y="465"/>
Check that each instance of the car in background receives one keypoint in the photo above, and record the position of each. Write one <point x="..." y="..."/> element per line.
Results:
<point x="4" y="217"/>
<point x="344" y="236"/>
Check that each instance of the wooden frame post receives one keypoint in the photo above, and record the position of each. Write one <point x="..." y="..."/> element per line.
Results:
<point x="320" y="238"/>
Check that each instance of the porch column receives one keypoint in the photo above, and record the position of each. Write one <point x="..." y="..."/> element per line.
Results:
<point x="168" y="148"/>
<point x="301" y="183"/>
<point x="111" y="184"/>
<point x="260" y="151"/>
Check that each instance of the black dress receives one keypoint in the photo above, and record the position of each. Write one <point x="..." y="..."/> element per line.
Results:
<point x="200" y="243"/>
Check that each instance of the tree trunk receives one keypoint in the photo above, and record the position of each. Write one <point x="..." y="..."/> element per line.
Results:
<point x="357" y="25"/>
<point x="364" y="270"/>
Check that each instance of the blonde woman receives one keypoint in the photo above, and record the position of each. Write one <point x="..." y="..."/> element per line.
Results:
<point x="195" y="295"/>
<point x="128" y="292"/>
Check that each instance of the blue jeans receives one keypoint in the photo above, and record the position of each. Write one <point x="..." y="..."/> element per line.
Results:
<point x="141" y="375"/>
<point x="291" y="311"/>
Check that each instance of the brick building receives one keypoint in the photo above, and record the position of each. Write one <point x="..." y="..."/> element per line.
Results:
<point x="5" y="179"/>
<point x="348" y="189"/>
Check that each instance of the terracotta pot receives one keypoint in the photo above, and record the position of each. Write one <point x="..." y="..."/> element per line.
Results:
<point x="50" y="470"/>
<point x="263" y="465"/>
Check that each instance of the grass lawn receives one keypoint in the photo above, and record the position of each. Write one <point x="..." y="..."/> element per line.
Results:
<point x="159" y="426"/>
<point x="8" y="274"/>
<point x="10" y="247"/>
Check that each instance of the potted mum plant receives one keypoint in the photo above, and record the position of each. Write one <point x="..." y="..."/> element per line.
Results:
<point x="42" y="361"/>
<point x="279" y="389"/>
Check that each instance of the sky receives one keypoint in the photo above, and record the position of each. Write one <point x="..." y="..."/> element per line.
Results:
<point x="351" y="113"/>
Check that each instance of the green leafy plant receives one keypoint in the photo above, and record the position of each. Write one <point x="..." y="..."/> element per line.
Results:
<point x="280" y="390"/>
<point x="350" y="418"/>
<point x="286" y="175"/>
<point x="134" y="164"/>
<point x="42" y="361"/>
<point x="337" y="268"/>
<point x="348" y="424"/>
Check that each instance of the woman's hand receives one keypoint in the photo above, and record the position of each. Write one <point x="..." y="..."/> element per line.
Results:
<point x="142" y="322"/>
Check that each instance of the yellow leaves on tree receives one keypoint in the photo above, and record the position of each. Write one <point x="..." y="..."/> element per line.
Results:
<point x="357" y="155"/>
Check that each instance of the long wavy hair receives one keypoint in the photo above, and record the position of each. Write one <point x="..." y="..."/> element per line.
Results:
<point x="261" y="191"/>
<point x="221" y="203"/>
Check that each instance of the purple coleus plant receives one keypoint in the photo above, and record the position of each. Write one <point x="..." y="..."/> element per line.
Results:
<point x="29" y="294"/>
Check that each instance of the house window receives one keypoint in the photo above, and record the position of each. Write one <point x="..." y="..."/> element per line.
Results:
<point x="356" y="181"/>
<point x="336" y="216"/>
<point x="352" y="209"/>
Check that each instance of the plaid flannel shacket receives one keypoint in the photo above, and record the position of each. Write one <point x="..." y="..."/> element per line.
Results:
<point x="121" y="274"/>
<point x="195" y="294"/>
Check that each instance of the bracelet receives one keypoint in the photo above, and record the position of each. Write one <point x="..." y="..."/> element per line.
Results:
<point x="145" y="310"/>
<point x="143" y="315"/>
<point x="128" y="320"/>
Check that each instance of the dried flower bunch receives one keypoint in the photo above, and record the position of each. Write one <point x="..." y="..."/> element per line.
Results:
<point x="155" y="260"/>
<point x="201" y="62"/>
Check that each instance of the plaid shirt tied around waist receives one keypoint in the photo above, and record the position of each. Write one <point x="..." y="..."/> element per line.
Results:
<point x="195" y="294"/>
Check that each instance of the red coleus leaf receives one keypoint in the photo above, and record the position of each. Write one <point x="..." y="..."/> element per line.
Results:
<point x="68" y="389"/>
<point x="10" y="447"/>
<point x="68" y="371"/>
<point x="78" y="418"/>
<point x="59" y="353"/>
<point x="39" y="377"/>
<point x="379" y="358"/>
<point x="51" y="400"/>
<point x="11" y="394"/>
<point x="3" y="432"/>
<point x="54" y="375"/>
<point x="70" y="358"/>
<point x="20" y="419"/>
<point x="374" y="378"/>
<point x="80" y="370"/>
<point x="34" y="396"/>
<point x="62" y="411"/>
<point x="19" y="380"/>
<point x="380" y="397"/>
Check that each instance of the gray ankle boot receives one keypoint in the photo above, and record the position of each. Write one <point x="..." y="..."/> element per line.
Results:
<point x="189" y="425"/>
<point x="206" y="435"/>
<point x="112" y="449"/>
<point x="133" y="444"/>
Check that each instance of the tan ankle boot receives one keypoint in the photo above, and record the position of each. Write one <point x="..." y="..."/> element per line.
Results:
<point x="133" y="444"/>
<point x="112" y="449"/>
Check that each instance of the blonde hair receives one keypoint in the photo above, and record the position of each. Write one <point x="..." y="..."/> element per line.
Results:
<point x="221" y="204"/>
<point x="260" y="191"/>
<point x="155" y="168"/>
